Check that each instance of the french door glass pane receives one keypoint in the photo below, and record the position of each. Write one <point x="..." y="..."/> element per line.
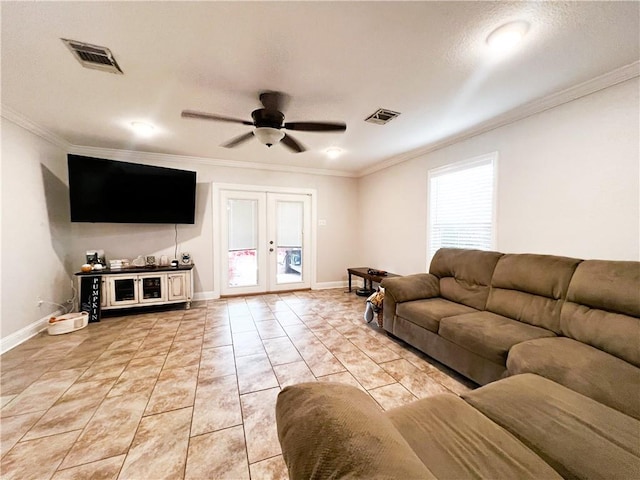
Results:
<point x="243" y="242"/>
<point x="290" y="217"/>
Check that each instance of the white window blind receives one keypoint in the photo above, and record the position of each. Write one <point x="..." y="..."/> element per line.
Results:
<point x="290" y="216"/>
<point x="461" y="205"/>
<point x="243" y="224"/>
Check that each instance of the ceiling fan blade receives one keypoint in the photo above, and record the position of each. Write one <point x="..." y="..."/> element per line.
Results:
<point x="234" y="142"/>
<point x="212" y="116"/>
<point x="277" y="101"/>
<point x="316" y="126"/>
<point x="292" y="144"/>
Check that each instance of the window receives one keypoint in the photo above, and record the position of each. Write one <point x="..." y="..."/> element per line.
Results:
<point x="462" y="205"/>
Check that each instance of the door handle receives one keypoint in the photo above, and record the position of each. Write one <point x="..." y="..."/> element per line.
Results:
<point x="271" y="249"/>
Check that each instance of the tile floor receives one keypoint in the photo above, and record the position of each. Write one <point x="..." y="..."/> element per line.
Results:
<point x="191" y="393"/>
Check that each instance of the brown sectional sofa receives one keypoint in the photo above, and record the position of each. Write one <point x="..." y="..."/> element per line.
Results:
<point x="488" y="315"/>
<point x="597" y="352"/>
<point x="556" y="343"/>
<point x="522" y="427"/>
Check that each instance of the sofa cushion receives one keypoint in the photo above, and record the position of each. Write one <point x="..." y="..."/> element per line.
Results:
<point x="487" y="334"/>
<point x="603" y="308"/>
<point x="465" y="275"/>
<point x="411" y="287"/>
<point x="582" y="368"/>
<point x="531" y="288"/>
<point x="577" y="436"/>
<point x="454" y="440"/>
<point x="428" y="313"/>
<point x="338" y="431"/>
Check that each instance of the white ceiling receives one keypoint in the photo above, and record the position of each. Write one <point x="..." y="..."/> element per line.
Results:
<point x="339" y="61"/>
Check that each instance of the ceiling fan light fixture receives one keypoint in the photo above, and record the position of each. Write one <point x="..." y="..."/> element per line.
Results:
<point x="268" y="136"/>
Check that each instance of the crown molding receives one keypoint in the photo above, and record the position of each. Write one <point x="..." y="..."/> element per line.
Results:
<point x="539" y="105"/>
<point x="117" y="154"/>
<point x="22" y="121"/>
<point x="131" y="155"/>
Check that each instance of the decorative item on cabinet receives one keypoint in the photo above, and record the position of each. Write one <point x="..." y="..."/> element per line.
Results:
<point x="139" y="261"/>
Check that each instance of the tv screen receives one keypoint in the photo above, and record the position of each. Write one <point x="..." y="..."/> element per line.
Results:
<point x="119" y="192"/>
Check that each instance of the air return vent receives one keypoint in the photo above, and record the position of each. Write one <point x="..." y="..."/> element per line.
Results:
<point x="381" y="116"/>
<point x="93" y="56"/>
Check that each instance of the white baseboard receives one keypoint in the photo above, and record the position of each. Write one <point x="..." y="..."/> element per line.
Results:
<point x="214" y="294"/>
<point x="199" y="296"/>
<point x="25" y="333"/>
<point x="328" y="285"/>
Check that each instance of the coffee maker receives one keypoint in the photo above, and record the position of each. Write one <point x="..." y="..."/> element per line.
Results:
<point x="96" y="257"/>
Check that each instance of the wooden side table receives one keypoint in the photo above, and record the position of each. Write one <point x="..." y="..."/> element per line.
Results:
<point x="363" y="272"/>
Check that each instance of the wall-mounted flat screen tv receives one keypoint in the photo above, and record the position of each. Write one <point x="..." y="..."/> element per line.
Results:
<point x="119" y="192"/>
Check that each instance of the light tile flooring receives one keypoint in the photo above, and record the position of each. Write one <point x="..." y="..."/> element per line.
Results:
<point x="191" y="393"/>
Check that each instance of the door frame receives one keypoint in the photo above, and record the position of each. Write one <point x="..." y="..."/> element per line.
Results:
<point x="217" y="188"/>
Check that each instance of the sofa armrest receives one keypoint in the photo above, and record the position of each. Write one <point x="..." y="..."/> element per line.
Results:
<point x="330" y="430"/>
<point x="411" y="287"/>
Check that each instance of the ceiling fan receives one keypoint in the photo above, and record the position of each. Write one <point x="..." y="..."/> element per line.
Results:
<point x="269" y="122"/>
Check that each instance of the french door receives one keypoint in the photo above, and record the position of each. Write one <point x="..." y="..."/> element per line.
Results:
<point x="265" y="242"/>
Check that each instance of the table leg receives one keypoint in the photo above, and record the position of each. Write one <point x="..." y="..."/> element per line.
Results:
<point x="349" y="282"/>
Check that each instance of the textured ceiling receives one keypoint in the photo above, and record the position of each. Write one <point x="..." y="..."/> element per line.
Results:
<point x="339" y="61"/>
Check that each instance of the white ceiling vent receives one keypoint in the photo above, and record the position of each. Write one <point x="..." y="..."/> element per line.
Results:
<point x="93" y="56"/>
<point x="381" y="116"/>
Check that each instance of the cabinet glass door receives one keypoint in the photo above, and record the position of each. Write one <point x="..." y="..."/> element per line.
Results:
<point x="151" y="288"/>
<point x="123" y="290"/>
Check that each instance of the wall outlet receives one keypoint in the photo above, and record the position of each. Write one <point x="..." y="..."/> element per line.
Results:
<point x="322" y="222"/>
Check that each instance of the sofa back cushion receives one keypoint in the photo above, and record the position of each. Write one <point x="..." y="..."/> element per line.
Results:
<point x="603" y="308"/>
<point x="465" y="275"/>
<point x="531" y="288"/>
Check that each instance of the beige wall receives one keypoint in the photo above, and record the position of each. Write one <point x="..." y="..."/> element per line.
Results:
<point x="336" y="243"/>
<point x="35" y="228"/>
<point x="41" y="249"/>
<point x="568" y="184"/>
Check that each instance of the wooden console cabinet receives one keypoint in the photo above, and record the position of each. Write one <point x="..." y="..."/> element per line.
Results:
<point x="137" y="287"/>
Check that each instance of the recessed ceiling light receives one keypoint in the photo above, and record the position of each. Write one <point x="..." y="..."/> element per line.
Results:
<point x="333" y="152"/>
<point x="142" y="128"/>
<point x="505" y="38"/>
